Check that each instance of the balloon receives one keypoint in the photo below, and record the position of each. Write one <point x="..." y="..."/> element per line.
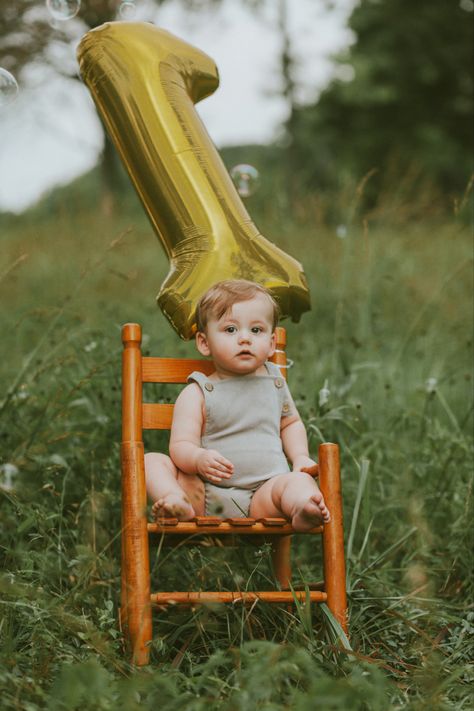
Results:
<point x="145" y="82"/>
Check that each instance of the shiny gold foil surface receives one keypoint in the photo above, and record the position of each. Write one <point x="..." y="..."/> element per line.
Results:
<point x="145" y="82"/>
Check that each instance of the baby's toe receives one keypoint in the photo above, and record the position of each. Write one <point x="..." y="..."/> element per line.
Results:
<point x="160" y="509"/>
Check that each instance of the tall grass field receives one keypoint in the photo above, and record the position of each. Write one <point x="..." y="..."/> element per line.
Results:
<point x="382" y="365"/>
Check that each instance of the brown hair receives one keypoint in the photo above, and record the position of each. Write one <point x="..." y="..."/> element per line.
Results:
<point x="222" y="296"/>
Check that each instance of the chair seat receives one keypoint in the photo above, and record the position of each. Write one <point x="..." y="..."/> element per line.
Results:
<point x="214" y="525"/>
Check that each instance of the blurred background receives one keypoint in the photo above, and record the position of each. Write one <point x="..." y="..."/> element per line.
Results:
<point x="356" y="121"/>
<point x="333" y="89"/>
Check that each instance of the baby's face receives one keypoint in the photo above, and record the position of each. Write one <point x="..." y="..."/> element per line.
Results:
<point x="242" y="339"/>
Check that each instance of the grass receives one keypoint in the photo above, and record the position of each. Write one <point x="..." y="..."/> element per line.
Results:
<point x="382" y="366"/>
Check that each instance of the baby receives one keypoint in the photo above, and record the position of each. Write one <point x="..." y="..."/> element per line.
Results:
<point x="234" y="430"/>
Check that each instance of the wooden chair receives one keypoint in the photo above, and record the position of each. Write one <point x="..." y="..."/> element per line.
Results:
<point x="137" y="599"/>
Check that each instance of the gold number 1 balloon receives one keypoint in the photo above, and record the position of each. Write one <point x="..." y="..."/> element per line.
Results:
<point x="145" y="82"/>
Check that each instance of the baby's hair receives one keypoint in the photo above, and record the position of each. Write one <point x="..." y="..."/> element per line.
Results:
<point x="222" y="296"/>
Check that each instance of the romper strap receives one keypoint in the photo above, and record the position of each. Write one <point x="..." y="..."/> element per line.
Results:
<point x="202" y="380"/>
<point x="284" y="398"/>
<point x="273" y="369"/>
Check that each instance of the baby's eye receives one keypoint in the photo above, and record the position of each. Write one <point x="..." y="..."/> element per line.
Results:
<point x="230" y="329"/>
<point x="257" y="329"/>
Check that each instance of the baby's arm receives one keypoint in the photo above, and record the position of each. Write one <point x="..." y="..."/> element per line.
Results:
<point x="185" y="440"/>
<point x="295" y="440"/>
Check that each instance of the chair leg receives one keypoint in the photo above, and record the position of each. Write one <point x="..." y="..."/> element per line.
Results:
<point x="136" y="607"/>
<point x="333" y="533"/>
<point x="281" y="558"/>
<point x="123" y="592"/>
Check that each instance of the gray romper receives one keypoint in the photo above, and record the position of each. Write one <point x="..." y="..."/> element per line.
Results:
<point x="243" y="424"/>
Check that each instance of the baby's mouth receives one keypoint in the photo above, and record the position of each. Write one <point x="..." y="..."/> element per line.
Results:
<point x="245" y="353"/>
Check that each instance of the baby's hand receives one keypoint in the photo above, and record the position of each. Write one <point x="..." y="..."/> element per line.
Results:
<point x="212" y="466"/>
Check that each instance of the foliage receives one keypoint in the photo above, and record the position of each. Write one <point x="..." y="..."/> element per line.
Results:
<point x="382" y="366"/>
<point x="408" y="103"/>
<point x="28" y="35"/>
<point x="31" y="41"/>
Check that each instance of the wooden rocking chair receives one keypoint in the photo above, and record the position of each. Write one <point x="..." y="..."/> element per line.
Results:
<point x="137" y="599"/>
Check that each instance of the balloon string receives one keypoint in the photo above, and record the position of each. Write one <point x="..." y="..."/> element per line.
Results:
<point x="289" y="363"/>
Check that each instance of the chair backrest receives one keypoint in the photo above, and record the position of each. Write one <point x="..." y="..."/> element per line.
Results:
<point x="136" y="370"/>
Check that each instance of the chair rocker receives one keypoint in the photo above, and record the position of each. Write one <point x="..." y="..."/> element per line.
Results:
<point x="137" y="599"/>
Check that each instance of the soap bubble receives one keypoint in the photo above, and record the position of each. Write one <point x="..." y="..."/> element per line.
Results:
<point x="8" y="87"/>
<point x="63" y="10"/>
<point x="127" y="10"/>
<point x="245" y="178"/>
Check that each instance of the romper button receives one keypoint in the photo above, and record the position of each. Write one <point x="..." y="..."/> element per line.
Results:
<point x="278" y="382"/>
<point x="285" y="408"/>
<point x="209" y="387"/>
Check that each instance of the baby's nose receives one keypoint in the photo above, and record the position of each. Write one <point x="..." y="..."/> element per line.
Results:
<point x="244" y="336"/>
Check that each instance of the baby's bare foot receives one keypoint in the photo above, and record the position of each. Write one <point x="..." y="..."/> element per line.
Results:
<point x="311" y="514"/>
<point x="173" y="506"/>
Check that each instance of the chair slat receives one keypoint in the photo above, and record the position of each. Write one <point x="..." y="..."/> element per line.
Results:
<point x="225" y="527"/>
<point x="173" y="370"/>
<point x="208" y="520"/>
<point x="157" y="416"/>
<point x="193" y="598"/>
<point x="273" y="521"/>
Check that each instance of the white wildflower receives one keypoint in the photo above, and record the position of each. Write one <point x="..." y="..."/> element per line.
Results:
<point x="324" y="394"/>
<point x="8" y="472"/>
<point x="58" y="460"/>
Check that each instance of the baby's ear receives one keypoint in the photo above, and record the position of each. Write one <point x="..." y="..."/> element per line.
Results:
<point x="202" y="344"/>
<point x="272" y="345"/>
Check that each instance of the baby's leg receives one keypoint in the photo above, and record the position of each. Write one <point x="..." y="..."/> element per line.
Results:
<point x="173" y="493"/>
<point x="294" y="495"/>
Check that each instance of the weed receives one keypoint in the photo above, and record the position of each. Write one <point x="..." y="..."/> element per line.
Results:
<point x="381" y="365"/>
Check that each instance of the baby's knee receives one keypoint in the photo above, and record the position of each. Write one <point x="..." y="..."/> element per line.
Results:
<point x="289" y="482"/>
<point x="154" y="461"/>
<point x="302" y="476"/>
<point x="301" y="481"/>
<point x="296" y="477"/>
